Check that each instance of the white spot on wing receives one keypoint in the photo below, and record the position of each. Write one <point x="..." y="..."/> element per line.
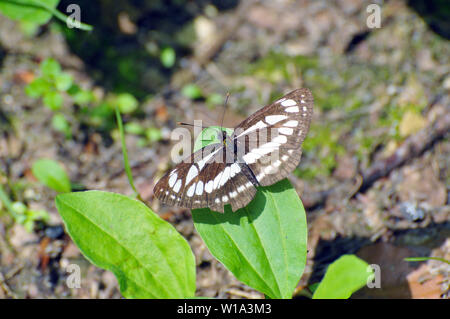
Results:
<point x="177" y="186"/>
<point x="199" y="189"/>
<point x="288" y="103"/>
<point x="235" y="168"/>
<point x="250" y="157"/>
<point x="286" y="130"/>
<point x="292" y="109"/>
<point x="192" y="173"/>
<point x="201" y="163"/>
<point x="226" y="176"/>
<point x="190" y="191"/>
<point x="280" y="139"/>
<point x="209" y="187"/>
<point x="270" y="170"/>
<point x="217" y="180"/>
<point x="291" y="123"/>
<point x="257" y="126"/>
<point x="272" y="119"/>
<point x="172" y="180"/>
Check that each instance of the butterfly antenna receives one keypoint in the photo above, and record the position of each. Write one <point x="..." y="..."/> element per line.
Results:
<point x="224" y="109"/>
<point x="188" y="124"/>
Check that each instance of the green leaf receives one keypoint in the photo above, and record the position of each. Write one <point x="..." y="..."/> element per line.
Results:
<point x="153" y="134"/>
<point x="127" y="103"/>
<point x="83" y="97"/>
<point x="209" y="136"/>
<point x="28" y="10"/>
<point x="50" y="68"/>
<point x="147" y="255"/>
<point x="192" y="91"/>
<point x="168" y="57"/>
<point x="53" y="100"/>
<point x="59" y="123"/>
<point x="63" y="81"/>
<point x="51" y="174"/>
<point x="262" y="244"/>
<point x="38" y="87"/>
<point x="343" y="277"/>
<point x="134" y="128"/>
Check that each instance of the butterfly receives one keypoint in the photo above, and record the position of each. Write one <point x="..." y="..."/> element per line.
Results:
<point x="263" y="149"/>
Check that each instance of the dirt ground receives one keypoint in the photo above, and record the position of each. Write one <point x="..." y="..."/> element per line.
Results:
<point x="374" y="183"/>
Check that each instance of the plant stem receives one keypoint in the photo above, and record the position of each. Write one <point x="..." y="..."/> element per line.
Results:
<point x="125" y="154"/>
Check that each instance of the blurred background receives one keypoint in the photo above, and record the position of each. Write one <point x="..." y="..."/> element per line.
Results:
<point x="374" y="177"/>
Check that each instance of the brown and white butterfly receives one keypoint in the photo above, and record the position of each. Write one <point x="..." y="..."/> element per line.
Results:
<point x="264" y="149"/>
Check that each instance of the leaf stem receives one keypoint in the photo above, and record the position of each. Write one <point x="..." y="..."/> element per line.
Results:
<point x="427" y="258"/>
<point x="125" y="155"/>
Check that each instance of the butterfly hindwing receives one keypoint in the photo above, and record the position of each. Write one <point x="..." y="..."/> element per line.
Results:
<point x="205" y="179"/>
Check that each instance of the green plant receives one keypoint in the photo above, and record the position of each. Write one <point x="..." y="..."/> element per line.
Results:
<point x="51" y="174"/>
<point x="263" y="244"/>
<point x="32" y="13"/>
<point x="343" y="277"/>
<point x="55" y="86"/>
<point x="147" y="255"/>
<point x="50" y="85"/>
<point x="21" y="213"/>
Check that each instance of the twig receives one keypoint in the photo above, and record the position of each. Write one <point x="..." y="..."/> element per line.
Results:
<point x="412" y="147"/>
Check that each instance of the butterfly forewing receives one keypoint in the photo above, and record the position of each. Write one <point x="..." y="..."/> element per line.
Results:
<point x="263" y="149"/>
<point x="273" y="136"/>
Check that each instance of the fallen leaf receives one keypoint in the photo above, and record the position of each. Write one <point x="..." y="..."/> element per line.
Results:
<point x="411" y="123"/>
<point x="422" y="287"/>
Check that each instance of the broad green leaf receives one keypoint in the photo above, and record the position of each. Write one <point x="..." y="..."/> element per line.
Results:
<point x="343" y="277"/>
<point x="28" y="10"/>
<point x="63" y="81"/>
<point x="147" y="255"/>
<point x="262" y="244"/>
<point x="38" y="87"/>
<point x="51" y="174"/>
<point x="50" y="68"/>
<point x="53" y="100"/>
